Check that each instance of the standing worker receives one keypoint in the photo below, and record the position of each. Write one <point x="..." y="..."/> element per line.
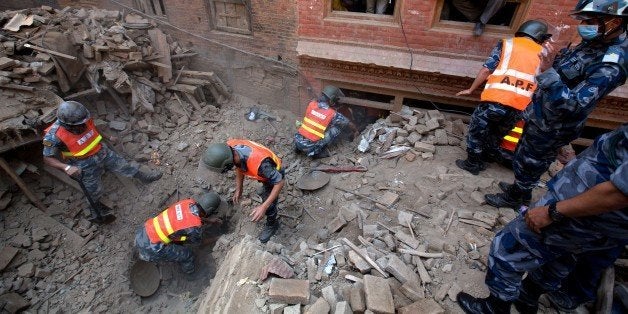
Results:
<point x="322" y="124"/>
<point x="257" y="162"/>
<point x="73" y="144"/>
<point x="583" y="217"/>
<point x="160" y="239"/>
<point x="568" y="90"/>
<point x="510" y="71"/>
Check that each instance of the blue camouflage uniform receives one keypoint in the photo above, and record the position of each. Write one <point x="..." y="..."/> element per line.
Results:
<point x="335" y="127"/>
<point x="268" y="170"/>
<point x="549" y="257"/>
<point x="565" y="96"/>
<point x="490" y="121"/>
<point x="172" y="252"/>
<point x="92" y="167"/>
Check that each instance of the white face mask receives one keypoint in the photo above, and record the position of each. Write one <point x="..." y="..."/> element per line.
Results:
<point x="588" y="32"/>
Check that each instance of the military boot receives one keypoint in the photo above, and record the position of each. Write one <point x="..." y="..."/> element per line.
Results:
<point x="148" y="176"/>
<point x="561" y="300"/>
<point x="504" y="186"/>
<point x="102" y="214"/>
<point x="271" y="227"/>
<point x="528" y="301"/>
<point x="513" y="197"/>
<point x="490" y="305"/>
<point x="473" y="164"/>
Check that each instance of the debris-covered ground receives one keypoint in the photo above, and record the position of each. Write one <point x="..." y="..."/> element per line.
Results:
<point x="413" y="215"/>
<point x="420" y="189"/>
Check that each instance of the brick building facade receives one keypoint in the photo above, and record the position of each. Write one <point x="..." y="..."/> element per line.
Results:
<point x="282" y="52"/>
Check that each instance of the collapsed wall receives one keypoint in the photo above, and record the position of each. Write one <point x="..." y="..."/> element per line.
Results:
<point x="234" y="288"/>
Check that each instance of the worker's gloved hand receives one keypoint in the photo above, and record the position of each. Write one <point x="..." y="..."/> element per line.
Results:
<point x="73" y="171"/>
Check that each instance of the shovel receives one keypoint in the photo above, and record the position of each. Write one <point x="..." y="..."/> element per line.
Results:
<point x="100" y="218"/>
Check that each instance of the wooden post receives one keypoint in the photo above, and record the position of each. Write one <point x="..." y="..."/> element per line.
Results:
<point x="5" y="166"/>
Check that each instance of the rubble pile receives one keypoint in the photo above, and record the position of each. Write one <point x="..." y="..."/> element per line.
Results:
<point x="411" y="133"/>
<point x="399" y="265"/>
<point x="79" y="52"/>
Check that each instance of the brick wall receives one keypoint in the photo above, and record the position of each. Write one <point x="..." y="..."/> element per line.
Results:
<point x="418" y="22"/>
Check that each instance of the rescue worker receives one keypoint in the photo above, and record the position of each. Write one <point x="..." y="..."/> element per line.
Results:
<point x="583" y="213"/>
<point x="322" y="124"/>
<point x="73" y="144"/>
<point x="510" y="71"/>
<point x="258" y="163"/>
<point x="161" y="238"/>
<point x="569" y="87"/>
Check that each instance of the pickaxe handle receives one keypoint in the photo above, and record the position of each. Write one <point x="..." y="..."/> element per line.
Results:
<point x="93" y="204"/>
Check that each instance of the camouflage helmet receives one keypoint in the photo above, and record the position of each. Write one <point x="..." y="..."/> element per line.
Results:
<point x="332" y="93"/>
<point x="72" y="113"/>
<point x="218" y="157"/>
<point x="209" y="202"/>
<point x="534" y="29"/>
<point x="588" y="8"/>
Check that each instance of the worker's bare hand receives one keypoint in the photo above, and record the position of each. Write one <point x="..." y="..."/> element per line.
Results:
<point x="537" y="218"/>
<point x="74" y="172"/>
<point x="565" y="155"/>
<point x="464" y="92"/>
<point x="257" y="213"/>
<point x="236" y="196"/>
<point x="547" y="56"/>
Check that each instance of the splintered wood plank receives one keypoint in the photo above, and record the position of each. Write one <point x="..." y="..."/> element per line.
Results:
<point x="159" y="42"/>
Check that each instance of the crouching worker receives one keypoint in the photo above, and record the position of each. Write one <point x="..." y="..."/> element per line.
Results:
<point x="73" y="144"/>
<point x="161" y="238"/>
<point x="258" y="163"/>
<point x="322" y="124"/>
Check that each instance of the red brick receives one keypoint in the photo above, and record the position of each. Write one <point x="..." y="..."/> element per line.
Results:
<point x="290" y="291"/>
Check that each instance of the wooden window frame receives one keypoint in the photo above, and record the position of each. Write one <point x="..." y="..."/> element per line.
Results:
<point x="518" y="18"/>
<point x="155" y="7"/>
<point x="363" y="18"/>
<point x="212" y="13"/>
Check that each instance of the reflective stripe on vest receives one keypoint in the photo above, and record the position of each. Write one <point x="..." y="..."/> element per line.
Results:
<point x="316" y="121"/>
<point x="510" y="141"/>
<point x="80" y="145"/>
<point x="177" y="217"/>
<point x="513" y="82"/>
<point x="259" y="152"/>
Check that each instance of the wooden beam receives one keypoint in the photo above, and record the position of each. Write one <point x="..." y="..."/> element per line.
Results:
<point x="5" y="166"/>
<point x="365" y="103"/>
<point x="52" y="52"/>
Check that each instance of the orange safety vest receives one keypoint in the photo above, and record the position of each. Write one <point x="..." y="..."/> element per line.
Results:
<point x="79" y="145"/>
<point x="510" y="141"/>
<point x="315" y="121"/>
<point x="513" y="82"/>
<point x="177" y="217"/>
<point x="259" y="152"/>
